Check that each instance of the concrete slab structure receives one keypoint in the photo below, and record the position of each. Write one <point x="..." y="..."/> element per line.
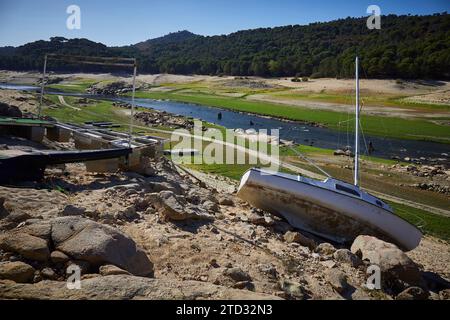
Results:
<point x="35" y="134"/>
<point x="103" y="166"/>
<point x="140" y="159"/>
<point x="88" y="141"/>
<point x="59" y="134"/>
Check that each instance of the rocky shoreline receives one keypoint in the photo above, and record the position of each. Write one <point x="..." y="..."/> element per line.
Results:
<point x="169" y="236"/>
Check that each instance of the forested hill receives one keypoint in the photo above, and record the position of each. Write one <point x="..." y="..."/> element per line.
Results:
<point x="405" y="47"/>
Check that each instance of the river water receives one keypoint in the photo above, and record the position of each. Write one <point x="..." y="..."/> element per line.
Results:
<point x="294" y="131"/>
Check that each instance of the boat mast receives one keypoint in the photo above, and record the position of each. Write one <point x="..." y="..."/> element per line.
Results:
<point x="357" y="125"/>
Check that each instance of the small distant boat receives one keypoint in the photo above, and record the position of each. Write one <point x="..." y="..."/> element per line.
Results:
<point x="331" y="209"/>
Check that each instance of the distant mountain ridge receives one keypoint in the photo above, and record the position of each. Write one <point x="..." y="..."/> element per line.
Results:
<point x="406" y="47"/>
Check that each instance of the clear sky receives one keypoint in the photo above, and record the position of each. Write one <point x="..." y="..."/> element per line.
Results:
<point x="124" y="22"/>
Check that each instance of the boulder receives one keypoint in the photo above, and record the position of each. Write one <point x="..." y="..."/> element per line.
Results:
<point x="338" y="280"/>
<point x="297" y="237"/>
<point x="111" y="270"/>
<point x="10" y="220"/>
<point x="237" y="274"/>
<point x="122" y="287"/>
<point x="38" y="228"/>
<point x="49" y="273"/>
<point x="128" y="214"/>
<point x="18" y="217"/>
<point x="247" y="285"/>
<point x="98" y="244"/>
<point x="16" y="271"/>
<point x="325" y="249"/>
<point x="293" y="289"/>
<point x="413" y="293"/>
<point x="347" y="257"/>
<point x="210" y="206"/>
<point x="71" y="210"/>
<point x="26" y="245"/>
<point x="78" y="239"/>
<point x="398" y="271"/>
<point x="444" y="294"/>
<point x="59" y="257"/>
<point x="226" y="201"/>
<point x="177" y="209"/>
<point x="268" y="269"/>
<point x="257" y="219"/>
<point x="260" y="220"/>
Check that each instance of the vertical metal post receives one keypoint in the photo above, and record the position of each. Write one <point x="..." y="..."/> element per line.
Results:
<point x="132" y="102"/>
<point x="42" y="87"/>
<point x="357" y="126"/>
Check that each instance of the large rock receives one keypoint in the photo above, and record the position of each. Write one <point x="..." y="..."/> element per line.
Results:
<point x="413" y="293"/>
<point x="110" y="270"/>
<point x="39" y="228"/>
<point x="398" y="271"/>
<point x="71" y="210"/>
<point x="122" y="287"/>
<point x="347" y="257"/>
<point x="176" y="208"/>
<point x="16" y="271"/>
<point x="59" y="257"/>
<point x="26" y="245"/>
<point x="444" y="294"/>
<point x="98" y="244"/>
<point x="338" y="280"/>
<point x="237" y="274"/>
<point x="79" y="239"/>
<point x="325" y="249"/>
<point x="293" y="289"/>
<point x="297" y="237"/>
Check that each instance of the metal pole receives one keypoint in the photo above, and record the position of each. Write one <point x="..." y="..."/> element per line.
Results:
<point x="42" y="87"/>
<point x="357" y="126"/>
<point x="132" y="102"/>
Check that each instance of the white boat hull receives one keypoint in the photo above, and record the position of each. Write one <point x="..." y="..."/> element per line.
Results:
<point x="324" y="212"/>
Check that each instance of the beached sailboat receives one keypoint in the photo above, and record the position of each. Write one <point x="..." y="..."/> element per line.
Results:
<point x="331" y="209"/>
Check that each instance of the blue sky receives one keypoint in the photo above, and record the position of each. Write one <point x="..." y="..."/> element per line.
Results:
<point x="127" y="22"/>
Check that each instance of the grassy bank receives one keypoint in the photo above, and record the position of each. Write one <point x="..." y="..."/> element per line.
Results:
<point x="73" y="87"/>
<point x="100" y="111"/>
<point x="372" y="125"/>
<point x="368" y="100"/>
